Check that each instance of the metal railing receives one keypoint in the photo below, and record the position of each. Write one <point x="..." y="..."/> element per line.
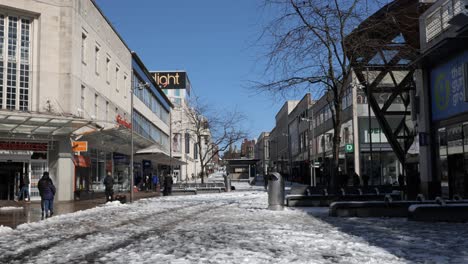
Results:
<point x="436" y="22"/>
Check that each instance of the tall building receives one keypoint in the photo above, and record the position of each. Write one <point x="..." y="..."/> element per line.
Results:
<point x="176" y="85"/>
<point x="67" y="81"/>
<point x="262" y="152"/>
<point x="442" y="90"/>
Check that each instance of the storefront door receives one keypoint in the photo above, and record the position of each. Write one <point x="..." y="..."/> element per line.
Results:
<point x="457" y="177"/>
<point x="10" y="176"/>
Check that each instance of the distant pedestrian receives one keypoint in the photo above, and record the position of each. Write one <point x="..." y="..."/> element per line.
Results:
<point x="167" y="185"/>
<point x="265" y="181"/>
<point x="25" y="189"/>
<point x="155" y="181"/>
<point x="365" y="180"/>
<point x="47" y="191"/>
<point x="356" y="180"/>
<point x="109" y="185"/>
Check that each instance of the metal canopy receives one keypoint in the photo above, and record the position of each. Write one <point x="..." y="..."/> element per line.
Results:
<point x="381" y="50"/>
<point x="26" y="125"/>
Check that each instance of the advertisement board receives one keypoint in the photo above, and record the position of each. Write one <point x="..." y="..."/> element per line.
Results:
<point x="171" y="80"/>
<point x="448" y="85"/>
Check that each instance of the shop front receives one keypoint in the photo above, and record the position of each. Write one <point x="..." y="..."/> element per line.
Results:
<point x="449" y="96"/>
<point x="21" y="160"/>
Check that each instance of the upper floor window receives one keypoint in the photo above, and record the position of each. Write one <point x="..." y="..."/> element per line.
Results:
<point x="15" y="71"/>
<point x="117" y="70"/>
<point x="97" y="50"/>
<point x="83" y="47"/>
<point x="108" y="69"/>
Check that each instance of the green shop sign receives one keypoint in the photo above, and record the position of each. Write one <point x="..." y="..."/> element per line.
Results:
<point x="349" y="148"/>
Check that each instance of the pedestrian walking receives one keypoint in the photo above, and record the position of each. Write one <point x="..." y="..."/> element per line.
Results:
<point x="109" y="185"/>
<point x="47" y="192"/>
<point x="167" y="185"/>
<point x="25" y="189"/>
<point x="265" y="181"/>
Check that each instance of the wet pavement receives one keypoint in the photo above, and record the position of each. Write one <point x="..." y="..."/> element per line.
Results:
<point x="13" y="214"/>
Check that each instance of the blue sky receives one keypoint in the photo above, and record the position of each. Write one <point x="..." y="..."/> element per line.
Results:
<point x="213" y="40"/>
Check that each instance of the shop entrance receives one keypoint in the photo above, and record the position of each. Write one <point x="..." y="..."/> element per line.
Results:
<point x="10" y="176"/>
<point x="456" y="175"/>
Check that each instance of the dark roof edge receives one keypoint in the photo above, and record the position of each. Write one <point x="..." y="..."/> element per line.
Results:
<point x="145" y="70"/>
<point x="110" y="24"/>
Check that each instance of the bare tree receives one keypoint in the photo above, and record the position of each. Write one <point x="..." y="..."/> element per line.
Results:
<point x="307" y="50"/>
<point x="214" y="131"/>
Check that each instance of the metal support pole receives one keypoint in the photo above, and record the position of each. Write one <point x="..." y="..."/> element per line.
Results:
<point x="131" y="147"/>
<point x="370" y="124"/>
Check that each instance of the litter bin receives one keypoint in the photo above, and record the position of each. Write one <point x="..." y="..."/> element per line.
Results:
<point x="275" y="191"/>
<point x="227" y="183"/>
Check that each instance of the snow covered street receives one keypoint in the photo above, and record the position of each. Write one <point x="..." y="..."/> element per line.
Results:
<point x="227" y="228"/>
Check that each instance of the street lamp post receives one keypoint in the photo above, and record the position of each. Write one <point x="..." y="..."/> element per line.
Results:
<point x="140" y="86"/>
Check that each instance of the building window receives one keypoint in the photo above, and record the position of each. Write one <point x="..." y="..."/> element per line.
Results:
<point x="125" y="86"/>
<point x="17" y="63"/>
<point x="117" y="88"/>
<point x="96" y="99"/>
<point x="108" y="70"/>
<point x="82" y="102"/>
<point x="177" y="92"/>
<point x="96" y="59"/>
<point x="83" y="47"/>
<point x="195" y="151"/>
<point x="107" y="111"/>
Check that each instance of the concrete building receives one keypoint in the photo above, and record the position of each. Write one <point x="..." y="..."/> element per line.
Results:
<point x="279" y="140"/>
<point x="364" y="148"/>
<point x="299" y="132"/>
<point x="66" y="76"/>
<point x="262" y="153"/>
<point x="442" y="90"/>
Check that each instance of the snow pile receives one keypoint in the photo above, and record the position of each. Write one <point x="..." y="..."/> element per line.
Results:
<point x="5" y="230"/>
<point x="10" y="208"/>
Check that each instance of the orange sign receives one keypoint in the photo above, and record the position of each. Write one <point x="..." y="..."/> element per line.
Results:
<point x="80" y="146"/>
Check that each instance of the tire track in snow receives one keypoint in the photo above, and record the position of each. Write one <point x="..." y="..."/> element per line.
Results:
<point x="25" y="256"/>
<point x="94" y="257"/>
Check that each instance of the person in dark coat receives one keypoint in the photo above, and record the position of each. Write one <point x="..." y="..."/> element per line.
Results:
<point x="109" y="184"/>
<point x="47" y="191"/>
<point x="167" y="185"/>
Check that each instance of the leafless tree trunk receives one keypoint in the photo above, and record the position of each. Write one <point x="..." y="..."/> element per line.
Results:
<point x="214" y="131"/>
<point x="307" y="51"/>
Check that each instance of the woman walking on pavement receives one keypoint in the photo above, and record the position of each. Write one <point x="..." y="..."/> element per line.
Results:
<point x="47" y="191"/>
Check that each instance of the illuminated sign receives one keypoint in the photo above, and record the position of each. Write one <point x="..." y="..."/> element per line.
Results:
<point x="171" y="80"/>
<point x="121" y="121"/>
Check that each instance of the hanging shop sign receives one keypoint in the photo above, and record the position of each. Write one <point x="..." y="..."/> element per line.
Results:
<point x="80" y="146"/>
<point x="349" y="148"/>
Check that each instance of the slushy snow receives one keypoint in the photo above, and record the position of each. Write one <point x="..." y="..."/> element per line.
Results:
<point x="230" y="227"/>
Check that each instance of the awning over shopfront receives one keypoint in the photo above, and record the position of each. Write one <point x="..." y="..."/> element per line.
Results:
<point x="27" y="126"/>
<point x="160" y="158"/>
<point x="116" y="139"/>
<point x="156" y="155"/>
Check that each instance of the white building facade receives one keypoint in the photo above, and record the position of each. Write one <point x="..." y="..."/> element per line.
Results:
<point x="65" y="75"/>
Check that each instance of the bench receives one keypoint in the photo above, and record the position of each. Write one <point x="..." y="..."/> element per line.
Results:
<point x="381" y="208"/>
<point x="318" y="196"/>
<point x="183" y="191"/>
<point x="445" y="211"/>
